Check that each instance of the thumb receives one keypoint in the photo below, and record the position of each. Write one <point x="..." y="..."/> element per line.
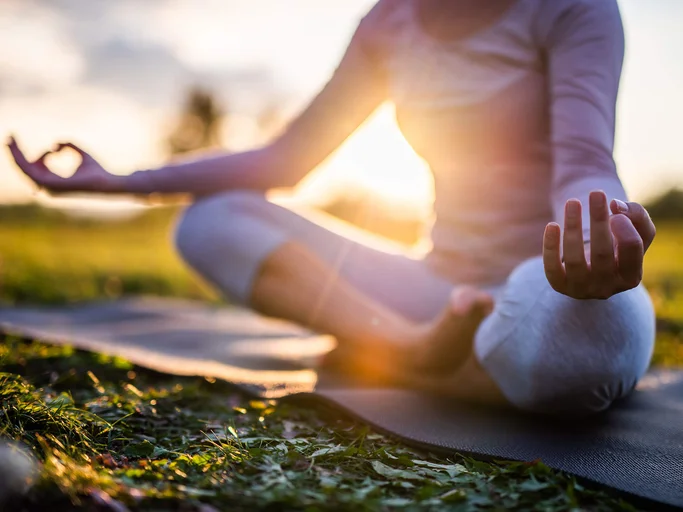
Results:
<point x="61" y="145"/>
<point x="639" y="217"/>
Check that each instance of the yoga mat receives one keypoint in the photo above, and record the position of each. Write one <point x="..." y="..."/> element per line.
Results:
<point x="636" y="447"/>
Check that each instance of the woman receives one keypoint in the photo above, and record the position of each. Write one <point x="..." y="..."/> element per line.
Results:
<point x="512" y="104"/>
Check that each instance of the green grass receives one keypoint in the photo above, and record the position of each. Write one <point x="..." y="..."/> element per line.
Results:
<point x="47" y="257"/>
<point x="105" y="430"/>
<point x="159" y="442"/>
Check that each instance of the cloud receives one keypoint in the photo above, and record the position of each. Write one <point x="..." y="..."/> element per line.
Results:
<point x="35" y="56"/>
<point x="144" y="72"/>
<point x="153" y="75"/>
<point x="47" y="46"/>
<point x="299" y="40"/>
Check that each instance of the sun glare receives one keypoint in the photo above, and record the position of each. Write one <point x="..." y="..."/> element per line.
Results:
<point x="376" y="158"/>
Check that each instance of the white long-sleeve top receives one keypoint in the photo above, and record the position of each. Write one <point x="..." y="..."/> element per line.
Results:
<point x="513" y="120"/>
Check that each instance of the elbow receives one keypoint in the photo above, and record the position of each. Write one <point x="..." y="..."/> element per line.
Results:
<point x="289" y="176"/>
<point x="582" y="169"/>
<point x="284" y="165"/>
<point x="584" y="162"/>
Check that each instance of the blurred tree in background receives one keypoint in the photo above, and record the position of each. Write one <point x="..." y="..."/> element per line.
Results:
<point x="199" y="125"/>
<point x="668" y="206"/>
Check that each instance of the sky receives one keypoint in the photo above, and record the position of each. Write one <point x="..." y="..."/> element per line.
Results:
<point x="111" y="75"/>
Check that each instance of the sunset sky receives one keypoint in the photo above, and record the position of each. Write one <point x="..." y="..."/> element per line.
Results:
<point x="111" y="75"/>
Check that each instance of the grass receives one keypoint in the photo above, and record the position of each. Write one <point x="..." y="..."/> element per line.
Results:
<point x="49" y="258"/>
<point x="159" y="442"/>
<point x="109" y="435"/>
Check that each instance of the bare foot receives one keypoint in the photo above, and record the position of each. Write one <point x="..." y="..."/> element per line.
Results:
<point x="447" y="342"/>
<point x="428" y="352"/>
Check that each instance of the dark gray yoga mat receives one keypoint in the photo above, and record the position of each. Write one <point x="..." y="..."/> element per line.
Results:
<point x="637" y="447"/>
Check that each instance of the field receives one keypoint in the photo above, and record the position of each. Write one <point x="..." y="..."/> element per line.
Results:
<point x="111" y="436"/>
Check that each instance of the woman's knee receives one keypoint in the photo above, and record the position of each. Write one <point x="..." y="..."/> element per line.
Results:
<point x="208" y="223"/>
<point x="553" y="354"/>
<point x="226" y="238"/>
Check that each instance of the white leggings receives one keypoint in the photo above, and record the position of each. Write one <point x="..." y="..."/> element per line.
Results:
<point x="546" y="352"/>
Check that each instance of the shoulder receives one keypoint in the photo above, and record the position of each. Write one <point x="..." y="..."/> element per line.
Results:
<point x="387" y="13"/>
<point x="560" y="18"/>
<point x="558" y="9"/>
<point x="386" y="19"/>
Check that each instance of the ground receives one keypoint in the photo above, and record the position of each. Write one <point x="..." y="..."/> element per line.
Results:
<point x="109" y="435"/>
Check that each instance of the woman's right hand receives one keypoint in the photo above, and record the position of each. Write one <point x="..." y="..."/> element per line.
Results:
<point x="89" y="176"/>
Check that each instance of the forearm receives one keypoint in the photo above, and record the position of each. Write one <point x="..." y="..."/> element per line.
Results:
<point x="260" y="169"/>
<point x="585" y="45"/>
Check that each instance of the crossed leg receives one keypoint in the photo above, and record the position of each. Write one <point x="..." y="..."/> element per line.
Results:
<point x="538" y="350"/>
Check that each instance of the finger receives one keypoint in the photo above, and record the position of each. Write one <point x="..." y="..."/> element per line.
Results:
<point x="639" y="217"/>
<point x="485" y="303"/>
<point x="466" y="299"/>
<point x="29" y="169"/>
<point x="73" y="146"/>
<point x="552" y="257"/>
<point x="37" y="170"/>
<point x="630" y="250"/>
<point x="40" y="161"/>
<point x="468" y="308"/>
<point x="17" y="154"/>
<point x="603" y="265"/>
<point x="575" y="264"/>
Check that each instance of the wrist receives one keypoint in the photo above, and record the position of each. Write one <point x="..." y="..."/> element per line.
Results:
<point x="138" y="182"/>
<point x="116" y="184"/>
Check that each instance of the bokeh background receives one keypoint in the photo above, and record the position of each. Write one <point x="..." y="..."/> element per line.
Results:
<point x="136" y="82"/>
<point x="116" y="76"/>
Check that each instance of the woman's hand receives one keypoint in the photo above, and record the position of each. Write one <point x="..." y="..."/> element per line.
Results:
<point x="88" y="177"/>
<point x="612" y="262"/>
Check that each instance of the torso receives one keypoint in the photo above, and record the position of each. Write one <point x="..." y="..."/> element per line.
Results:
<point x="475" y="107"/>
<point x="454" y="20"/>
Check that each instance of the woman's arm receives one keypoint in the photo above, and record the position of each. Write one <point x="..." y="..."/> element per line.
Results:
<point x="585" y="45"/>
<point x="585" y="51"/>
<point x="353" y="92"/>
<point x="356" y="89"/>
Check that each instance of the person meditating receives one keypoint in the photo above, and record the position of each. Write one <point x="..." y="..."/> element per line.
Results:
<point x="531" y="293"/>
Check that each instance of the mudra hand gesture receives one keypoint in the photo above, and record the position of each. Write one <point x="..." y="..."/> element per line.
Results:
<point x="89" y="176"/>
<point x="611" y="261"/>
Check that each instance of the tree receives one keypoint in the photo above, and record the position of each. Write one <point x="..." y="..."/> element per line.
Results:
<point x="668" y="206"/>
<point x="199" y="125"/>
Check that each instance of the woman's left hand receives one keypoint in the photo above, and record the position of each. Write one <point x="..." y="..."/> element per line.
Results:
<point x="611" y="262"/>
